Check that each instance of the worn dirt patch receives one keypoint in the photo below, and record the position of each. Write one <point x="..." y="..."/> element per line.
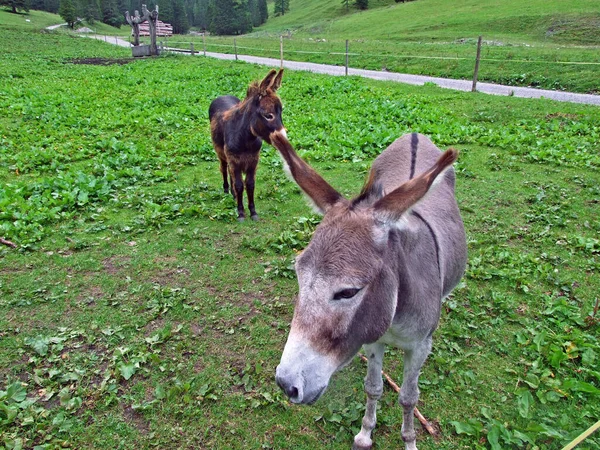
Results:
<point x="115" y="264"/>
<point x="167" y="276"/>
<point x="136" y="419"/>
<point x="102" y="61"/>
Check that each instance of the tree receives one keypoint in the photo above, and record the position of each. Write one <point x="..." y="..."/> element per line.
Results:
<point x="258" y="11"/>
<point x="198" y="15"/>
<point x="16" y="5"/>
<point x="281" y="6"/>
<point x="180" y="20"/>
<point x="263" y="10"/>
<point x="110" y="13"/>
<point x="90" y="10"/>
<point x="229" y="17"/>
<point x="51" y="6"/>
<point x="67" y="12"/>
<point x="165" y="11"/>
<point x="361" y="4"/>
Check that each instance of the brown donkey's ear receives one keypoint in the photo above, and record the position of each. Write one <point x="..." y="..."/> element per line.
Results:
<point x="267" y="82"/>
<point x="277" y="81"/>
<point x="317" y="189"/>
<point x="390" y="208"/>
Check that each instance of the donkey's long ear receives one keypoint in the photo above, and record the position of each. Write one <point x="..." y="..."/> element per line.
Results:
<point x="317" y="189"/>
<point x="390" y="208"/>
<point x="277" y="81"/>
<point x="267" y="82"/>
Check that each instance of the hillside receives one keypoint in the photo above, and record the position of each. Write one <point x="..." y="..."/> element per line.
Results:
<point x="537" y="21"/>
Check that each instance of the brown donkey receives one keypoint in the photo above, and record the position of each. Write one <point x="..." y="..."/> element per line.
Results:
<point x="374" y="273"/>
<point x="237" y="130"/>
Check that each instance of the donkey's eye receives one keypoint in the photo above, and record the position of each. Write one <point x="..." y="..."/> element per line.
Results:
<point x="268" y="116"/>
<point x="345" y="293"/>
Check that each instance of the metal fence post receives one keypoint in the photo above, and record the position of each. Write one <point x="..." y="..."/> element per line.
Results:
<point x="235" y="48"/>
<point x="476" y="72"/>
<point x="204" y="42"/>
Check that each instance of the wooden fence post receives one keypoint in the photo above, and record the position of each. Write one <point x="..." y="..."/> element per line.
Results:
<point x="281" y="51"/>
<point x="235" y="48"/>
<point x="346" y="57"/>
<point x="476" y="72"/>
<point x="204" y="42"/>
<point x="192" y="48"/>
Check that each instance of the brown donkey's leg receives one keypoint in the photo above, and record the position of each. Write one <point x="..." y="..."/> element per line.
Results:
<point x="224" y="172"/>
<point x="250" y="177"/>
<point x="237" y="188"/>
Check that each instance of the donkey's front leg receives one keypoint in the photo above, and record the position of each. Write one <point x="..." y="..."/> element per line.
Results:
<point x="374" y="389"/>
<point x="409" y="392"/>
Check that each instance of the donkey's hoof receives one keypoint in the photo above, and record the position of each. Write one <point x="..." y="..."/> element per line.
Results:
<point x="241" y="218"/>
<point x="254" y="217"/>
<point x="362" y="443"/>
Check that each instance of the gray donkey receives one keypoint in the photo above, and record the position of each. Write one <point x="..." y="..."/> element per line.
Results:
<point x="374" y="273"/>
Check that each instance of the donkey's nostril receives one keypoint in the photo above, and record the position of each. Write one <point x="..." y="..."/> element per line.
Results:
<point x="292" y="392"/>
<point x="288" y="387"/>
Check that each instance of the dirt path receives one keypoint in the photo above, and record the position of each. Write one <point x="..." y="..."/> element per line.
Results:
<point x="460" y="85"/>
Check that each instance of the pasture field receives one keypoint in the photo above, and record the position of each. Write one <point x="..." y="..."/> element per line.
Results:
<point x="543" y="46"/>
<point x="551" y="45"/>
<point x="137" y="313"/>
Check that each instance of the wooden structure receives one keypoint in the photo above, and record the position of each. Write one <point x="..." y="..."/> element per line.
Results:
<point x="162" y="29"/>
<point x="149" y="19"/>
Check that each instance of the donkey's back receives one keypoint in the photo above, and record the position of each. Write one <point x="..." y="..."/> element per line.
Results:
<point x="221" y="104"/>
<point x="437" y="215"/>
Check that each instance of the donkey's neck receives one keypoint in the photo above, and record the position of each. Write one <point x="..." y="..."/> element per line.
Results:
<point x="240" y="129"/>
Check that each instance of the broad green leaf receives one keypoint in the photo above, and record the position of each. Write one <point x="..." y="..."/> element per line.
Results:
<point x="532" y="380"/>
<point x="493" y="436"/>
<point x="471" y="428"/>
<point x="580" y="386"/>
<point x="127" y="370"/>
<point x="544" y="429"/>
<point x="7" y="413"/>
<point x="524" y="402"/>
<point x="588" y="357"/>
<point x="39" y="344"/>
<point x="16" y="392"/>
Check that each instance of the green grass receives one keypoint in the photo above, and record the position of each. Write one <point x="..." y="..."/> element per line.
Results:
<point x="32" y="20"/>
<point x="39" y="20"/>
<point x="534" y="22"/>
<point x="551" y="45"/>
<point x="137" y="312"/>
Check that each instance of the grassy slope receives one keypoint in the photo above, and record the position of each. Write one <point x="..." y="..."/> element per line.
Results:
<point x="139" y="278"/>
<point x="511" y="20"/>
<point x="32" y="20"/>
<point x="38" y="20"/>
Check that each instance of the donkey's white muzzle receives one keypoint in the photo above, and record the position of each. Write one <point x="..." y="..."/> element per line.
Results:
<point x="303" y="373"/>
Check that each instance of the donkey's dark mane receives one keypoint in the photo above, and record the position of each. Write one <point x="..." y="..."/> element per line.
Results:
<point x="371" y="192"/>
